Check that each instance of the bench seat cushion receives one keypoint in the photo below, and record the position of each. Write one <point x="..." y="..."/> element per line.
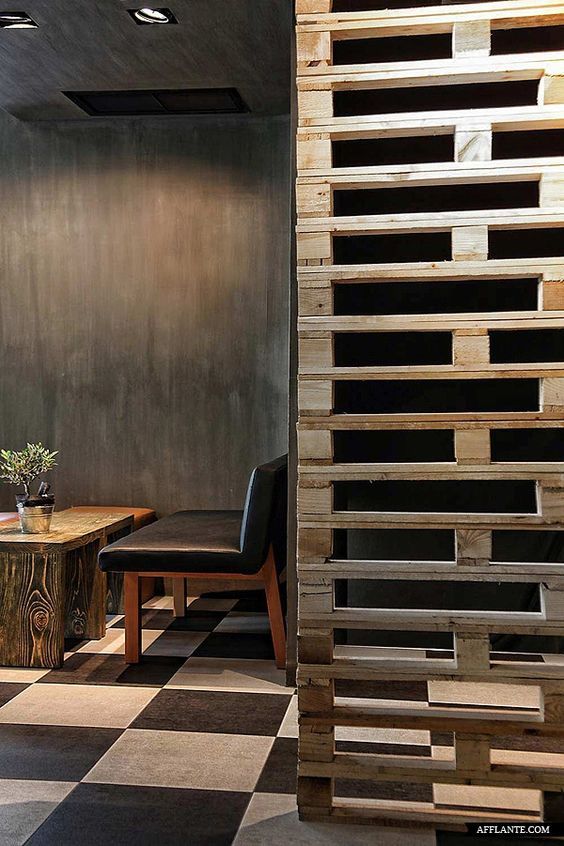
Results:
<point x="188" y="541"/>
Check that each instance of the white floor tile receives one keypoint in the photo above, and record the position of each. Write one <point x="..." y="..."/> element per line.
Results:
<point x="77" y="705"/>
<point x="469" y="693"/>
<point x="184" y="759"/>
<point x="21" y="675"/>
<point x="272" y="818"/>
<point x="487" y="797"/>
<point x="247" y="676"/>
<point x="113" y="643"/>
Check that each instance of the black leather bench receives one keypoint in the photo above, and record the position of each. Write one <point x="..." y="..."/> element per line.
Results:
<point x="210" y="544"/>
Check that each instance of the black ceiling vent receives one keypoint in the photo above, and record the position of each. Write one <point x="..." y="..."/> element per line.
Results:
<point x="189" y="101"/>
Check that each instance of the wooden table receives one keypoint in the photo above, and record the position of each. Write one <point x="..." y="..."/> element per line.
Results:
<point x="51" y="586"/>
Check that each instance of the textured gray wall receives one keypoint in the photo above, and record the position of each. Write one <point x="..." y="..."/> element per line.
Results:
<point x="144" y="275"/>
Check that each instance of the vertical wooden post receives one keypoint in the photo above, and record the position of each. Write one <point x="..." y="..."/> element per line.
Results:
<point x="472" y="446"/>
<point x="473" y="141"/>
<point x="471" y="38"/>
<point x="473" y="547"/>
<point x="471" y="346"/>
<point x="470" y="243"/>
<point x="316" y="741"/>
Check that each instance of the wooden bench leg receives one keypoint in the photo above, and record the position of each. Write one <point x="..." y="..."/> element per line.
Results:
<point x="275" y="614"/>
<point x="179" y="596"/>
<point x="132" y="606"/>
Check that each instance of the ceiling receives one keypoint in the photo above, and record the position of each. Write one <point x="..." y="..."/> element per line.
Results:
<point x="95" y="45"/>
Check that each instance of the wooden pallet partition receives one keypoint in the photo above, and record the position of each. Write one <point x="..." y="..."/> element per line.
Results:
<point x="430" y="199"/>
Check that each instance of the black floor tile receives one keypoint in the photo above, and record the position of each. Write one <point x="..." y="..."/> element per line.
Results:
<point x="197" y="621"/>
<point x="553" y="807"/>
<point x="442" y="738"/>
<point x="9" y="690"/>
<point x="52" y="753"/>
<point x="440" y="654"/>
<point x="400" y="791"/>
<point x="72" y="644"/>
<point x="214" y="711"/>
<point x="396" y="791"/>
<point x="355" y="747"/>
<point x="252" y="602"/>
<point x="530" y="657"/>
<point x="554" y="745"/>
<point x="384" y="789"/>
<point x="153" y="618"/>
<point x="193" y="621"/>
<point x="400" y="690"/>
<point x="95" y="814"/>
<point x="256" y="601"/>
<point x="279" y="773"/>
<point x="230" y="645"/>
<point x="99" y="668"/>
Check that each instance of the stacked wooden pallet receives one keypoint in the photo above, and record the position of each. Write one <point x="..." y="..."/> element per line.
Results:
<point x="431" y="390"/>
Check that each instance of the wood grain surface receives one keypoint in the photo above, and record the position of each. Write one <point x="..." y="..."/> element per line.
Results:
<point x="67" y="528"/>
<point x="51" y="586"/>
<point x="31" y="609"/>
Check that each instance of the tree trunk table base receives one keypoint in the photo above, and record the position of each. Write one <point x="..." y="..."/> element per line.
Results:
<point x="51" y="586"/>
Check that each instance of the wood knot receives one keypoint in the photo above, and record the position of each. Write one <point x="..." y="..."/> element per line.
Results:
<point x="78" y="622"/>
<point x="40" y="619"/>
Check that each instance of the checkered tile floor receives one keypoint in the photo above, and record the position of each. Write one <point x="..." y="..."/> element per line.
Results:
<point x="196" y="745"/>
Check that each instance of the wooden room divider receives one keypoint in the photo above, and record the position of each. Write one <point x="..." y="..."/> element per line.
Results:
<point x="431" y="399"/>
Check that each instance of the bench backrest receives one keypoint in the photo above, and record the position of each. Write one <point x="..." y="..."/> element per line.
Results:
<point x="264" y="517"/>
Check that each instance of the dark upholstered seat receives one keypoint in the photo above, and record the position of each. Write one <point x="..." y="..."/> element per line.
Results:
<point x="208" y="541"/>
<point x="238" y="544"/>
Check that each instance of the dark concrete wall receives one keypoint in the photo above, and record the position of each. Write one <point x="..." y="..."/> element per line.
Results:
<point x="144" y="276"/>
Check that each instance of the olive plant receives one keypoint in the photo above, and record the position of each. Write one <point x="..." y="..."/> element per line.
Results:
<point x="21" y="467"/>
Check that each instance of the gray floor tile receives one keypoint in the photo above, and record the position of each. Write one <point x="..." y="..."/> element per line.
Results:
<point x="24" y="805"/>
<point x="184" y="759"/>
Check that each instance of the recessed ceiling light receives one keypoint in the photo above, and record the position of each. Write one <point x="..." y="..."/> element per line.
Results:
<point x="16" y="20"/>
<point x="147" y="16"/>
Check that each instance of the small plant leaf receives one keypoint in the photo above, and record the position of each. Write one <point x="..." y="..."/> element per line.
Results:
<point x="21" y="467"/>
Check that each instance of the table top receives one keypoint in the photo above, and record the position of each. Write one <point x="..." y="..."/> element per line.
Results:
<point x="69" y="529"/>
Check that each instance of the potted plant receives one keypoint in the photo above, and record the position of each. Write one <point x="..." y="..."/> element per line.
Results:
<point x="22" y="467"/>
